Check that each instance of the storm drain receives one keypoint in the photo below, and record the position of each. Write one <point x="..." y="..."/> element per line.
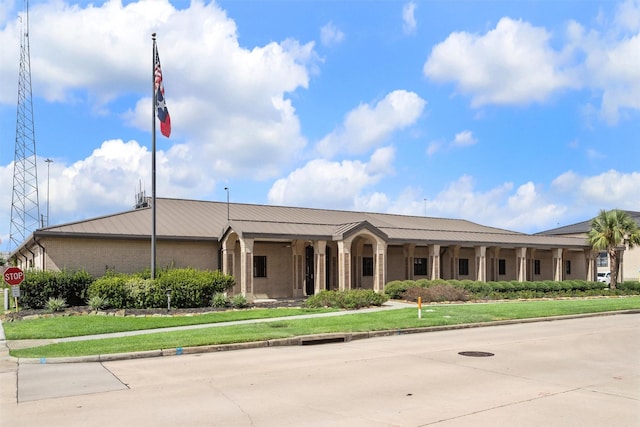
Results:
<point x="475" y="353"/>
<point x="322" y="340"/>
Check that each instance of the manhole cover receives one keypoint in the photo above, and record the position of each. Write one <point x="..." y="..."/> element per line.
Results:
<point x="475" y="353"/>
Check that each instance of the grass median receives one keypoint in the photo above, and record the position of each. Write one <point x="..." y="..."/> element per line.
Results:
<point x="432" y="315"/>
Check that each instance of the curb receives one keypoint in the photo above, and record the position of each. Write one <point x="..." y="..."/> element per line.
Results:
<point x="315" y="339"/>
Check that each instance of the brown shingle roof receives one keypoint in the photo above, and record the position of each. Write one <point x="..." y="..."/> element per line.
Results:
<point x="202" y="220"/>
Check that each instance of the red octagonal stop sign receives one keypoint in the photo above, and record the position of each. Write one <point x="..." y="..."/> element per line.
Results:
<point x="13" y="276"/>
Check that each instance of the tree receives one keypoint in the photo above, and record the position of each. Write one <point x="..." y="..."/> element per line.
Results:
<point x="610" y="230"/>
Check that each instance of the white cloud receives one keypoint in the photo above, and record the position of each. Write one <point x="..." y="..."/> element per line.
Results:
<point x="608" y="190"/>
<point x="108" y="180"/>
<point x="522" y="208"/>
<point x="464" y="139"/>
<point x="332" y="184"/>
<point x="610" y="68"/>
<point x="433" y="148"/>
<point x="330" y="35"/>
<point x="366" y="127"/>
<point x="409" y="23"/>
<point x="628" y="15"/>
<point x="511" y="64"/>
<point x="229" y="104"/>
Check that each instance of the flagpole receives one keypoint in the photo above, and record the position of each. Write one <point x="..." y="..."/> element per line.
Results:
<point x="153" y="160"/>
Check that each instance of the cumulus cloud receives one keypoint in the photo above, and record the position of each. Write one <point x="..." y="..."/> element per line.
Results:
<point x="511" y="64"/>
<point x="332" y="184"/>
<point x="330" y="35"/>
<point x="610" y="68"/>
<point x="607" y="190"/>
<point x="464" y="138"/>
<point x="409" y="23"/>
<point x="367" y="126"/>
<point x="516" y="64"/>
<point x="229" y="104"/>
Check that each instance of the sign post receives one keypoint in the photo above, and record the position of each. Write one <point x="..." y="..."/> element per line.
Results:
<point x="14" y="276"/>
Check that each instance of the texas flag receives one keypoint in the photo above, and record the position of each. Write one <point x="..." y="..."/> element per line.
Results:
<point x="161" y="106"/>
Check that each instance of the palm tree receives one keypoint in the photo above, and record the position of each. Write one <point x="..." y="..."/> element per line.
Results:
<point x="610" y="230"/>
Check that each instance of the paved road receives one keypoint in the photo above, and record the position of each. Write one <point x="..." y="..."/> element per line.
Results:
<point x="559" y="373"/>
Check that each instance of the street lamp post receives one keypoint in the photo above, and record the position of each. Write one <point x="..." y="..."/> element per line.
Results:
<point x="49" y="161"/>
<point x="227" y="190"/>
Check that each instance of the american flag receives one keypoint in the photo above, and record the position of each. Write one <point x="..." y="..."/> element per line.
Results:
<point x="161" y="106"/>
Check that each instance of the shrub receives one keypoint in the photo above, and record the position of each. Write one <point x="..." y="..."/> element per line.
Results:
<point x="112" y="288"/>
<point x="191" y="287"/>
<point x="144" y="293"/>
<point x="56" y="304"/>
<point x="188" y="288"/>
<point x="220" y="300"/>
<point x="239" y="301"/>
<point x="438" y="293"/>
<point x="39" y="286"/>
<point x="98" y="302"/>
<point x="349" y="299"/>
<point x="396" y="289"/>
<point x="631" y="287"/>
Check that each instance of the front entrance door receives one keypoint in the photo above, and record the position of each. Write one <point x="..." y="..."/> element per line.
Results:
<point x="309" y="270"/>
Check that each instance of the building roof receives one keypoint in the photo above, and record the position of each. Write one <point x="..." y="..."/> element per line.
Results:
<point x="209" y="220"/>
<point x="581" y="227"/>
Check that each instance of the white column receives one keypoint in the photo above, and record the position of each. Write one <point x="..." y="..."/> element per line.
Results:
<point x="481" y="263"/>
<point x="521" y="264"/>
<point x="557" y="264"/>
<point x="380" y="266"/>
<point x="246" y="268"/>
<point x="434" y="262"/>
<point x="344" y="265"/>
<point x="320" y="253"/>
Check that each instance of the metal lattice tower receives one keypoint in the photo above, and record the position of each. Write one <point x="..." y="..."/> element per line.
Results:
<point x="25" y="209"/>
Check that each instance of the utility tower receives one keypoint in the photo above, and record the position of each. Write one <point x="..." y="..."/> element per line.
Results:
<point x="25" y="209"/>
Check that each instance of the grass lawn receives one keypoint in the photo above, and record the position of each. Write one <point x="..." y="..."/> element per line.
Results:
<point x="75" y="326"/>
<point x="432" y="315"/>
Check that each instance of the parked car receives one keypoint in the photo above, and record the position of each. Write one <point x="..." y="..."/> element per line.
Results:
<point x="604" y="277"/>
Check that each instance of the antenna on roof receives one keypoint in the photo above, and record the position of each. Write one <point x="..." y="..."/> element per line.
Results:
<point x="141" y="198"/>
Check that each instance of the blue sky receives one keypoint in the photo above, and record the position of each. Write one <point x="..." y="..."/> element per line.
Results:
<point x="522" y="115"/>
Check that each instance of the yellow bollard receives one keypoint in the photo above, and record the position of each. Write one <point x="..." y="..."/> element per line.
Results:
<point x="419" y="307"/>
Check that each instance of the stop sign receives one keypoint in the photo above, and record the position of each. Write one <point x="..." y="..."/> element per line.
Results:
<point x="13" y="276"/>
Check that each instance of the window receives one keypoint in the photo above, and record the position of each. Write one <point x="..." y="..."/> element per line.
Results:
<point x="602" y="260"/>
<point x="502" y="267"/>
<point x="463" y="267"/>
<point x="567" y="267"/>
<point x="536" y="266"/>
<point x="259" y="266"/>
<point x="367" y="266"/>
<point x="419" y="266"/>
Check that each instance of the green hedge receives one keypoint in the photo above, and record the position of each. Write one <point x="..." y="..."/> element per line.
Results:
<point x="40" y="286"/>
<point x="188" y="288"/>
<point x="349" y="299"/>
<point x="514" y="289"/>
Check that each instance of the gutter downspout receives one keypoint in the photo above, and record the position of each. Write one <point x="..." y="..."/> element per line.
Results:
<point x="33" y="255"/>
<point x="44" y="258"/>
<point x="26" y="260"/>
